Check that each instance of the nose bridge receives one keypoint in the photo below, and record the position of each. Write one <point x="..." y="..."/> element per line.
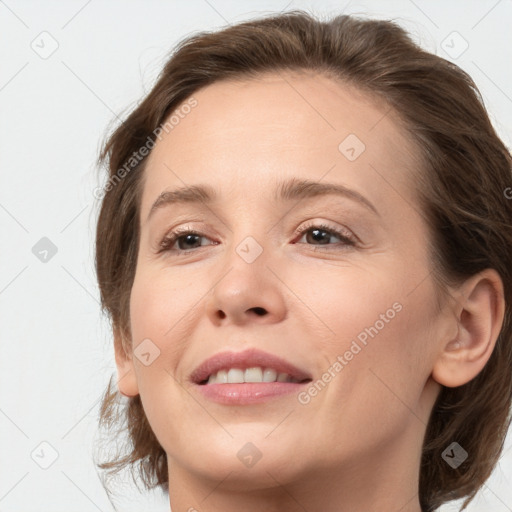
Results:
<point x="250" y="250"/>
<point x="247" y="262"/>
<point x="249" y="229"/>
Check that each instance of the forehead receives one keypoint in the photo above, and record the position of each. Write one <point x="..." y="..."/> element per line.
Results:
<point x="277" y="125"/>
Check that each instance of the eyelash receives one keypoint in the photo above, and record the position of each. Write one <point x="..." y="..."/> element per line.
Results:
<point x="169" y="240"/>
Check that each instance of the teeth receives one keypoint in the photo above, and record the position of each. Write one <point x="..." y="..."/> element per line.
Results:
<point x="282" y="377"/>
<point x="235" y="376"/>
<point x="269" y="375"/>
<point x="222" y="377"/>
<point x="255" y="374"/>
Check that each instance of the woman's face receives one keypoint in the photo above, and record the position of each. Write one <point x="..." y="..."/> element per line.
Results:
<point x="336" y="284"/>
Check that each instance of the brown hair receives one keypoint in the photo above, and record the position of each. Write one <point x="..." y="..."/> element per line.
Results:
<point x="466" y="170"/>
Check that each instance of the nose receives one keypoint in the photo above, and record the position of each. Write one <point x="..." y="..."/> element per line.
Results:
<point x="246" y="292"/>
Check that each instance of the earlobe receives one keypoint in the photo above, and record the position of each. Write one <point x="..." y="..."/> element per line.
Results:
<point x="479" y="314"/>
<point x="126" y="376"/>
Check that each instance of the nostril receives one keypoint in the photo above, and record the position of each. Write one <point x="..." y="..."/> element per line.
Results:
<point x="259" y="311"/>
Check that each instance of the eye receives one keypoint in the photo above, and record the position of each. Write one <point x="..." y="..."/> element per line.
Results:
<point x="185" y="239"/>
<point x="321" y="234"/>
<point x="315" y="234"/>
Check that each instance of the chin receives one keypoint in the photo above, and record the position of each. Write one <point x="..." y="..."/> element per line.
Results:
<point x="245" y="465"/>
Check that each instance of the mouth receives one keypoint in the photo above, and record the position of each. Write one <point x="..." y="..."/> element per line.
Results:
<point x="247" y="377"/>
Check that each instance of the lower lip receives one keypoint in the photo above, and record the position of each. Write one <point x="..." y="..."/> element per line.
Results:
<point x="248" y="393"/>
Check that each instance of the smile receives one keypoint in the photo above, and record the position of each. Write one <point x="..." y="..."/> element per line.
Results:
<point x="255" y="374"/>
<point x="248" y="377"/>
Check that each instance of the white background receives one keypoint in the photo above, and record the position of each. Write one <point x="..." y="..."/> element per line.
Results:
<point x="56" y="354"/>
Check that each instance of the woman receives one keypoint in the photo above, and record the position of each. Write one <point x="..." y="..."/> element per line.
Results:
<point x="304" y="247"/>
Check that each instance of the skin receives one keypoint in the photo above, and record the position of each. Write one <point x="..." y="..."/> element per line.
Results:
<point x="356" y="445"/>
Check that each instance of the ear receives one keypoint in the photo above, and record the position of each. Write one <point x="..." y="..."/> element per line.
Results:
<point x="479" y="312"/>
<point x="126" y="376"/>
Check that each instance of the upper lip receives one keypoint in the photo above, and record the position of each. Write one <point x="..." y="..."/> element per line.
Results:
<point x="247" y="359"/>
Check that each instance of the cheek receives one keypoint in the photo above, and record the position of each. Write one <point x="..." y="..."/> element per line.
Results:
<point x="160" y="309"/>
<point x="353" y="303"/>
<point x="160" y="304"/>
<point x="160" y="312"/>
<point x="375" y="365"/>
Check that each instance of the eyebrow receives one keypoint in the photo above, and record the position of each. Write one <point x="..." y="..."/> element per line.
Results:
<point x="286" y="191"/>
